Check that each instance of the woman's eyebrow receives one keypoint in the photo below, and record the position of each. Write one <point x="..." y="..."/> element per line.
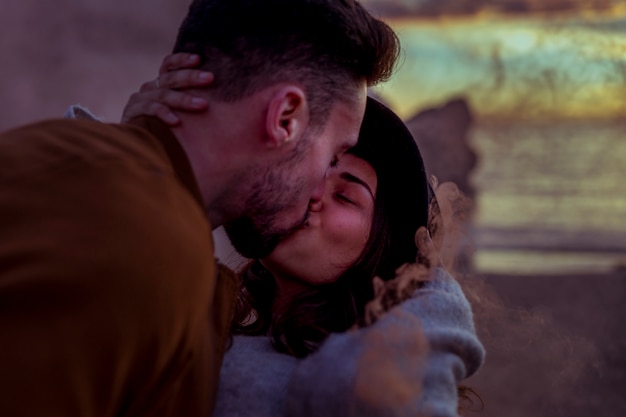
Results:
<point x="352" y="178"/>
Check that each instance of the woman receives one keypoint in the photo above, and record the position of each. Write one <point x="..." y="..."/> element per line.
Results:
<point x="350" y="374"/>
<point x="318" y="281"/>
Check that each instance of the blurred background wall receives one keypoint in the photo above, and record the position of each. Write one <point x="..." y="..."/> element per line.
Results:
<point x="90" y="51"/>
<point x="520" y="103"/>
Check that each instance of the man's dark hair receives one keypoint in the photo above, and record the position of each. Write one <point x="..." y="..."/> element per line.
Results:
<point x="328" y="46"/>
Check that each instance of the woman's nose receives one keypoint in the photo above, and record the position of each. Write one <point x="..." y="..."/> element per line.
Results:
<point x="315" y="205"/>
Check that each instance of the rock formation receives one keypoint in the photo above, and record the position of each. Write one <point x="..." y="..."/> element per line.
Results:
<point x="442" y="135"/>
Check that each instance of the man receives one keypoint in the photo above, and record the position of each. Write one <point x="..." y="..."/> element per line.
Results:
<point x="110" y="300"/>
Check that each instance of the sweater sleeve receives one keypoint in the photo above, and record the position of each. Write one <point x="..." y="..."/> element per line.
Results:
<point x="408" y="363"/>
<point x="78" y="111"/>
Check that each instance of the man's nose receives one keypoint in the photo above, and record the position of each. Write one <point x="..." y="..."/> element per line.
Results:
<point x="315" y="203"/>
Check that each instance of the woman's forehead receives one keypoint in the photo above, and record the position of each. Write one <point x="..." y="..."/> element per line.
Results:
<point x="358" y="168"/>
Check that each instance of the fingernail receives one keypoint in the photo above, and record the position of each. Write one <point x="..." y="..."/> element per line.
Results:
<point x="171" y="119"/>
<point x="193" y="58"/>
<point x="205" y="76"/>
<point x="198" y="102"/>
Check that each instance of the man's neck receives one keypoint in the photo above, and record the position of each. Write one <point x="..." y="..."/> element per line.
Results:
<point x="212" y="166"/>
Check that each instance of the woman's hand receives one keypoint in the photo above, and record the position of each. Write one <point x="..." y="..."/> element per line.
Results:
<point x="160" y="96"/>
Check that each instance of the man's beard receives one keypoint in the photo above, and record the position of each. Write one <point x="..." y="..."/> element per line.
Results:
<point x="256" y="240"/>
<point x="255" y="235"/>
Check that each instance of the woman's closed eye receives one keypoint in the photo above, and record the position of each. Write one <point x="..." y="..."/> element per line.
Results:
<point x="345" y="199"/>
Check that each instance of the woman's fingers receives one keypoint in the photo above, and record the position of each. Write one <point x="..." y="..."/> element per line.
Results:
<point x="160" y="103"/>
<point x="168" y="92"/>
<point x="178" y="100"/>
<point x="153" y="108"/>
<point x="139" y="105"/>
<point x="186" y="78"/>
<point x="180" y="79"/>
<point x="179" y="71"/>
<point x="179" y="61"/>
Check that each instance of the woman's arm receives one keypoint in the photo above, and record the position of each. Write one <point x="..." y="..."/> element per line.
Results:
<point x="408" y="363"/>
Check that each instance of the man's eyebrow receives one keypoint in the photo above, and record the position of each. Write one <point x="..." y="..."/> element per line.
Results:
<point x="352" y="178"/>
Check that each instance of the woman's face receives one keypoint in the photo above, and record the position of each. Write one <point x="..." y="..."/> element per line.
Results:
<point x="336" y="231"/>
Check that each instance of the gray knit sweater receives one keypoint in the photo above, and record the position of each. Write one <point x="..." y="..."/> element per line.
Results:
<point x="381" y="370"/>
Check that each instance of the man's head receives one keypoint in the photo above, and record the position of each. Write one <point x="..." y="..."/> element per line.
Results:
<point x="302" y="68"/>
<point x="328" y="46"/>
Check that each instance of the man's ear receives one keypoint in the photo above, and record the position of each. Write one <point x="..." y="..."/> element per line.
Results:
<point x="287" y="116"/>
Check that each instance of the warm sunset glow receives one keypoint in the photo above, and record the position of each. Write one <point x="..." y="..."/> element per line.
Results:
<point x="530" y="67"/>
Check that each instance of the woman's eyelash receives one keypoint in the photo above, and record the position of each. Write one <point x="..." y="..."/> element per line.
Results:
<point x="344" y="198"/>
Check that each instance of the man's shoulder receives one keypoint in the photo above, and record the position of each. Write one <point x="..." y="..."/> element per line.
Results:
<point x="64" y="173"/>
<point x="48" y="144"/>
<point x="54" y="125"/>
<point x="79" y="135"/>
